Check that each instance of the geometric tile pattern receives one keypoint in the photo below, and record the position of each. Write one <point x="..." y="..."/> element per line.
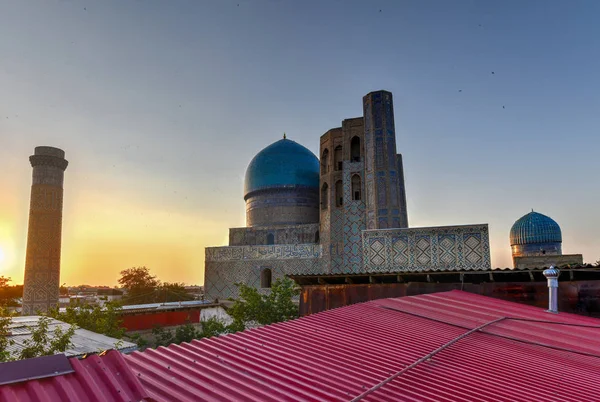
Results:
<point x="290" y="234"/>
<point x="260" y="253"/>
<point x="353" y="220"/>
<point x="42" y="259"/>
<point x="423" y="249"/>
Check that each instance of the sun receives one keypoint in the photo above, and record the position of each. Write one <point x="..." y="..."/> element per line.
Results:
<point x="1" y="256"/>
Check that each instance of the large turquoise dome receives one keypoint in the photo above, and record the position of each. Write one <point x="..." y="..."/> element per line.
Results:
<point x="283" y="164"/>
<point x="535" y="228"/>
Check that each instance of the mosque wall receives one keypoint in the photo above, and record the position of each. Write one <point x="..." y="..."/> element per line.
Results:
<point x="282" y="207"/>
<point x="289" y="234"/>
<point x="226" y="266"/>
<point x="540" y="261"/>
<point x="427" y="249"/>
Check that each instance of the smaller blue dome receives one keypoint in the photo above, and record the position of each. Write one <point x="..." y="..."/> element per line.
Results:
<point x="283" y="164"/>
<point x="535" y="228"/>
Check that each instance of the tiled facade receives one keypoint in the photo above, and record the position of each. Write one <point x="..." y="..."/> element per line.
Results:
<point x="426" y="249"/>
<point x="226" y="266"/>
<point x="363" y="220"/>
<point x="260" y="235"/>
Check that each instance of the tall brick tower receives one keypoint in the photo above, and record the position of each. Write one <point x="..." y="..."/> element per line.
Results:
<point x="42" y="262"/>
<point x="386" y="195"/>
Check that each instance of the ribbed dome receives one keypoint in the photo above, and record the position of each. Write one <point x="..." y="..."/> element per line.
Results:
<point x="535" y="228"/>
<point x="283" y="164"/>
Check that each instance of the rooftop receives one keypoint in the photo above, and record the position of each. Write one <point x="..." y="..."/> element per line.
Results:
<point x="444" y="346"/>
<point x="83" y="341"/>
<point x="451" y="346"/>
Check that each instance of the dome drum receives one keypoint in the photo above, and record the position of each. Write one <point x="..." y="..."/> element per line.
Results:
<point x="535" y="234"/>
<point x="536" y="249"/>
<point x="282" y="186"/>
<point x="282" y="206"/>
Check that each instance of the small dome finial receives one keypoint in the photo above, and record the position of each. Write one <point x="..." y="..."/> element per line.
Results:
<point x="284" y="137"/>
<point x="531" y="209"/>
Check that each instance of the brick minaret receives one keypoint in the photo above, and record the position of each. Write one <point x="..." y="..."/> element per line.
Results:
<point x="42" y="262"/>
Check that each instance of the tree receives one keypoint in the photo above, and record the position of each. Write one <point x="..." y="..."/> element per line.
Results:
<point x="172" y="292"/>
<point x="264" y="309"/>
<point x="140" y="285"/>
<point x="5" y="341"/>
<point x="9" y="294"/>
<point x="100" y="319"/>
<point x="41" y="342"/>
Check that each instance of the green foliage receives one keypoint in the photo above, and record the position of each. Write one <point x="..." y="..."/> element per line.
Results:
<point x="140" y="341"/>
<point x="5" y="341"/>
<point x="9" y="294"/>
<point x="252" y="307"/>
<point x="42" y="344"/>
<point x="171" y="292"/>
<point x="162" y="336"/>
<point x="185" y="333"/>
<point x="264" y="309"/>
<point x="103" y="320"/>
<point x="140" y="285"/>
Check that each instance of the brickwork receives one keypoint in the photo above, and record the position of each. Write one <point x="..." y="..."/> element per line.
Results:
<point x="42" y="261"/>
<point x="290" y="234"/>
<point x="427" y="249"/>
<point x="362" y="218"/>
<point x="226" y="266"/>
<point x="547" y="260"/>
<point x="384" y="178"/>
<point x="286" y="206"/>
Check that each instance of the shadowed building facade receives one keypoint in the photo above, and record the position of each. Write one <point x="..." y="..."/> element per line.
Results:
<point x="342" y="214"/>
<point x="42" y="261"/>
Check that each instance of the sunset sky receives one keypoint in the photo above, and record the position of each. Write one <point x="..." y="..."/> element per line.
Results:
<point x="160" y="106"/>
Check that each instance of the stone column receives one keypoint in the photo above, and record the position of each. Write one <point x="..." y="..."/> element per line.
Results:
<point x="42" y="261"/>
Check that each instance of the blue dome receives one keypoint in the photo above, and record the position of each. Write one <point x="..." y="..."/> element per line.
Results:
<point x="535" y="228"/>
<point x="283" y="164"/>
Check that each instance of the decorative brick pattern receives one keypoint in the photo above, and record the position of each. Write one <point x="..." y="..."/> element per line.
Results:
<point x="292" y="234"/>
<point x="221" y="276"/>
<point x="275" y="252"/>
<point x="42" y="260"/>
<point x="424" y="249"/>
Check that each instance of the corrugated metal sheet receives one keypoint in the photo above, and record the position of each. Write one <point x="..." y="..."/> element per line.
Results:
<point x="82" y="342"/>
<point x="340" y="354"/>
<point x="95" y="379"/>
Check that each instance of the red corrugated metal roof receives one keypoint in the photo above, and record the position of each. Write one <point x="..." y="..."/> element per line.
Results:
<point x="382" y="350"/>
<point x="96" y="379"/>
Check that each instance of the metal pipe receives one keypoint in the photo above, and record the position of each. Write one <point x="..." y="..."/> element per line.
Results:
<point x="552" y="275"/>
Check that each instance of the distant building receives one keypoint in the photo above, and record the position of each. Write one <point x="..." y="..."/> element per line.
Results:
<point x="344" y="214"/>
<point x="536" y="241"/>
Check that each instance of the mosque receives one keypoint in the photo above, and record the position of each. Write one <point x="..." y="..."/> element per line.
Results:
<point x="343" y="214"/>
<point x="536" y="241"/>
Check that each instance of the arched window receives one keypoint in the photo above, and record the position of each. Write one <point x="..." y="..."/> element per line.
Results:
<point x="317" y="237"/>
<point x="339" y="194"/>
<point x="355" y="149"/>
<point x="337" y="158"/>
<point x="265" y="278"/>
<point x="324" y="196"/>
<point x="325" y="161"/>
<point x="270" y="239"/>
<point x="356" y="187"/>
